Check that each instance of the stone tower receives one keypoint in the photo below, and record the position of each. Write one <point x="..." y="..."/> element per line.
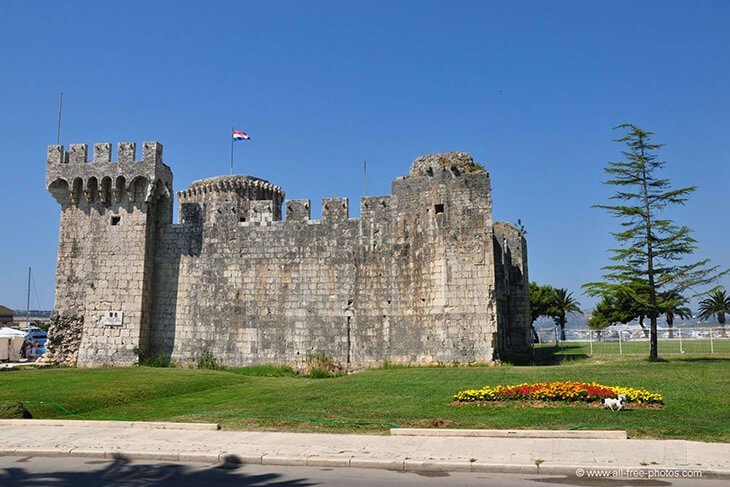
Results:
<point x="111" y="216"/>
<point x="229" y="200"/>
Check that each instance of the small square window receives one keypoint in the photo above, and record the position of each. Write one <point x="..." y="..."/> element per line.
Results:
<point x="116" y="220"/>
<point x="439" y="208"/>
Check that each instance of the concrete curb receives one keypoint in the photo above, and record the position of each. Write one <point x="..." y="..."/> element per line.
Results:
<point x="111" y="424"/>
<point x="406" y="465"/>
<point x="568" y="434"/>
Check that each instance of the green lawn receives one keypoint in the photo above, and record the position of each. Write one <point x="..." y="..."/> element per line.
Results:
<point x="695" y="391"/>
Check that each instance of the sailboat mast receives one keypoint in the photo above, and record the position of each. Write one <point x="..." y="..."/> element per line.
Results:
<point x="27" y="309"/>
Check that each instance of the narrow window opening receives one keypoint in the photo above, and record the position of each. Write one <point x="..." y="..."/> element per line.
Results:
<point x="439" y="208"/>
<point x="116" y="220"/>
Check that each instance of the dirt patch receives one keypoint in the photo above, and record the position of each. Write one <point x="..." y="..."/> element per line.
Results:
<point x="432" y="423"/>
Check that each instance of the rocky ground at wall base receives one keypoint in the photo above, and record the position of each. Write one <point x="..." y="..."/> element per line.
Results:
<point x="165" y="442"/>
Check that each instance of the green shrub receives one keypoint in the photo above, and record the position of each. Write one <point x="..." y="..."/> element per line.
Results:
<point x="14" y="410"/>
<point x="320" y="374"/>
<point x="474" y="167"/>
<point x="208" y="361"/>
<point x="158" y="360"/>
<point x="387" y="364"/>
<point x="322" y="366"/>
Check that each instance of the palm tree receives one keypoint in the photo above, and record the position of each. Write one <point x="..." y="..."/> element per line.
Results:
<point x="565" y="304"/>
<point x="673" y="305"/>
<point x="717" y="303"/>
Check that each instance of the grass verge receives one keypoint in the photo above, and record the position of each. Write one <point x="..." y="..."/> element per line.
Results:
<point x="695" y="390"/>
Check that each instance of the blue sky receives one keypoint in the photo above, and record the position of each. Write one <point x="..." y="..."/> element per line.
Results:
<point x="531" y="89"/>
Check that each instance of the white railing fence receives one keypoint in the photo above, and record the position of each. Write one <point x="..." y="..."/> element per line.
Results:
<point x="635" y="341"/>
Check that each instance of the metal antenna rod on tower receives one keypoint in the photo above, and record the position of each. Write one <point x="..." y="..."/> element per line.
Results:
<point x="58" y="128"/>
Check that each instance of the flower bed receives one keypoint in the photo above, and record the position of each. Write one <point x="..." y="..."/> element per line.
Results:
<point x="557" y="391"/>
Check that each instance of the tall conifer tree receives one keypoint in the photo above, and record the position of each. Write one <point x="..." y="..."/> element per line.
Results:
<point x="652" y="248"/>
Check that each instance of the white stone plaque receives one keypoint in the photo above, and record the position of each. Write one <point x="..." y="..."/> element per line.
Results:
<point x="113" y="318"/>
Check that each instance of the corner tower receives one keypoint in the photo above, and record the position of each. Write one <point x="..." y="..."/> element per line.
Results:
<point x="111" y="215"/>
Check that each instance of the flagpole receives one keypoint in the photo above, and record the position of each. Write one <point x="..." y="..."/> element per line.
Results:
<point x="365" y="177"/>
<point x="232" y="129"/>
<point x="58" y="128"/>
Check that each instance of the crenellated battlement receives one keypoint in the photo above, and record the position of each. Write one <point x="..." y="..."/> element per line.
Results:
<point x="298" y="210"/>
<point x="196" y="209"/>
<point x="71" y="177"/>
<point x="126" y="153"/>
<point x="374" y="207"/>
<point x="335" y="209"/>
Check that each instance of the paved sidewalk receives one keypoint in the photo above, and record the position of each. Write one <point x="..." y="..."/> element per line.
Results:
<point x="413" y="453"/>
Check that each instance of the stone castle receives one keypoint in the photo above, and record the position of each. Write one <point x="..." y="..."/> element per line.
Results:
<point x="422" y="277"/>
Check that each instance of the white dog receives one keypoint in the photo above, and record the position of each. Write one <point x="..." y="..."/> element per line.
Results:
<point x="617" y="403"/>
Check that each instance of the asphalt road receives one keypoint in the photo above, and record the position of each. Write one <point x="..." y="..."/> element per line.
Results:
<point x="76" y="472"/>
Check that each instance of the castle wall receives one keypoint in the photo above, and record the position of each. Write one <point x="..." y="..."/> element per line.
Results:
<point x="410" y="281"/>
<point x="513" y="291"/>
<point x="422" y="277"/>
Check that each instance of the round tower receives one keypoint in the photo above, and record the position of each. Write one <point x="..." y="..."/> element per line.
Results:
<point x="231" y="199"/>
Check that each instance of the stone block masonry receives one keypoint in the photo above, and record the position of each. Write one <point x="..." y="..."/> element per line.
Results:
<point x="422" y="277"/>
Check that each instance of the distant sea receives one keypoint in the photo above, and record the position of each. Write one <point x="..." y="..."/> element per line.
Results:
<point x="34" y="313"/>
<point x="580" y="322"/>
